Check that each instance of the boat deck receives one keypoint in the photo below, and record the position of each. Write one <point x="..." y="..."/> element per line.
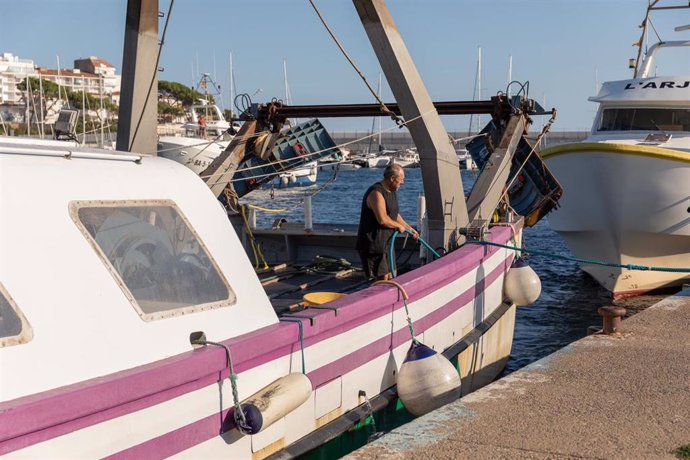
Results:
<point x="321" y="259"/>
<point x="286" y="285"/>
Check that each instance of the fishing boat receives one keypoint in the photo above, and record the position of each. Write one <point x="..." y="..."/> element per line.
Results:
<point x="137" y="326"/>
<point x="626" y="186"/>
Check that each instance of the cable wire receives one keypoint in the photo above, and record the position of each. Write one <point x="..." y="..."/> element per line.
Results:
<point x="398" y="120"/>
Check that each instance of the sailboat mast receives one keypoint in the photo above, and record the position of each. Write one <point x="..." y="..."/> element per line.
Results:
<point x="378" y="91"/>
<point x="285" y="80"/>
<point x="510" y="73"/>
<point x="40" y="103"/>
<point x="479" y="85"/>
<point x="59" y="81"/>
<point x="232" y="88"/>
<point x="476" y="92"/>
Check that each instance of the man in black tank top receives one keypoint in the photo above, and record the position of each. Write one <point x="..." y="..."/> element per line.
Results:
<point x="378" y="219"/>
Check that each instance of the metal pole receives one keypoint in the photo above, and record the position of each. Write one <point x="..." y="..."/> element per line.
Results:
<point x="308" y="225"/>
<point x="137" y="117"/>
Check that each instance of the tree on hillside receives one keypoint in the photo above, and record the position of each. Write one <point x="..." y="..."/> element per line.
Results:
<point x="184" y="94"/>
<point x="50" y="89"/>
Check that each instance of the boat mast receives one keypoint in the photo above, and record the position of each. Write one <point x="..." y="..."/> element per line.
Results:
<point x="510" y="73"/>
<point x="137" y="116"/>
<point x="379" y="93"/>
<point x="232" y="90"/>
<point x="479" y="85"/>
<point x="445" y="199"/>
<point x="477" y="93"/>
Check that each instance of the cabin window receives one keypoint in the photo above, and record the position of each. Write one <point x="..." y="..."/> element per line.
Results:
<point x="155" y="255"/>
<point x="637" y="119"/>
<point x="14" y="329"/>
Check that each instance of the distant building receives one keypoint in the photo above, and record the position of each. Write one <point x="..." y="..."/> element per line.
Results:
<point x="92" y="75"/>
<point x="103" y="69"/>
<point x="12" y="72"/>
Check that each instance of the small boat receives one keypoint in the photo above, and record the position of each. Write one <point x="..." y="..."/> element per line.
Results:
<point x="339" y="165"/>
<point x="465" y="160"/>
<point x="303" y="176"/>
<point x="626" y="186"/>
<point x="407" y="158"/>
<point x="376" y="160"/>
<point x="341" y="161"/>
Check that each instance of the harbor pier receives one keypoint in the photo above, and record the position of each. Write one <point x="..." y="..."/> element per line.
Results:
<point x="604" y="396"/>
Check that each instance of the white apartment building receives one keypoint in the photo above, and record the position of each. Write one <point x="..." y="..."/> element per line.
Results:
<point x="12" y="71"/>
<point x="94" y="75"/>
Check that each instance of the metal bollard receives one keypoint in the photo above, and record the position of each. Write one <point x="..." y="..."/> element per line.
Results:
<point x="612" y="319"/>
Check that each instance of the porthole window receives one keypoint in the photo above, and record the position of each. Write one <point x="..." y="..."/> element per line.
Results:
<point x="155" y="255"/>
<point x="14" y="328"/>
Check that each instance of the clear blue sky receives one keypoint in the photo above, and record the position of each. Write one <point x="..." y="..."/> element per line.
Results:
<point x="558" y="45"/>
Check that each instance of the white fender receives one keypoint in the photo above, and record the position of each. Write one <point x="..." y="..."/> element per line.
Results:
<point x="427" y="380"/>
<point x="274" y="402"/>
<point x="521" y="284"/>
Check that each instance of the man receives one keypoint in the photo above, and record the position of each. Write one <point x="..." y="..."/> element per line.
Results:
<point x="378" y="219"/>
<point x="202" y="126"/>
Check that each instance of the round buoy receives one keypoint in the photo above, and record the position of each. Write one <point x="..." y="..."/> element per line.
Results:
<point x="521" y="284"/>
<point x="283" y="181"/>
<point x="293" y="178"/>
<point x="427" y="380"/>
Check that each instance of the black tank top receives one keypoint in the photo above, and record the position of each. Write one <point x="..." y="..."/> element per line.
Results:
<point x="373" y="238"/>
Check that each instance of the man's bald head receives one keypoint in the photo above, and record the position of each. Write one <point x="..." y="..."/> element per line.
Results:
<point x="392" y="170"/>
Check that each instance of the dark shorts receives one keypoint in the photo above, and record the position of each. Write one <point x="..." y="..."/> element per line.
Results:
<point x="374" y="265"/>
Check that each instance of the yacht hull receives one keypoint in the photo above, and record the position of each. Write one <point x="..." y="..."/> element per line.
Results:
<point x="624" y="204"/>
<point x="197" y="154"/>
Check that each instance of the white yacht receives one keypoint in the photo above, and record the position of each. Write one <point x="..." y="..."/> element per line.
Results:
<point x="408" y="158"/>
<point x="626" y="188"/>
<point x="197" y="149"/>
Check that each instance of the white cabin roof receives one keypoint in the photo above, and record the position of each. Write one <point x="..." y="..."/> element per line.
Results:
<point x="650" y="91"/>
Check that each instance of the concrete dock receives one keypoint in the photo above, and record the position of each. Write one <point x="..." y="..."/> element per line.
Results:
<point x="610" y="397"/>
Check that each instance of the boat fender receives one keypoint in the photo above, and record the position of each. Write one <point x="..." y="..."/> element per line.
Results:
<point x="521" y="284"/>
<point x="284" y="181"/>
<point x="427" y="380"/>
<point x="274" y="402"/>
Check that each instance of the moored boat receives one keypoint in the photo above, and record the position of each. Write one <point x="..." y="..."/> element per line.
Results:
<point x="626" y="186"/>
<point x="153" y="262"/>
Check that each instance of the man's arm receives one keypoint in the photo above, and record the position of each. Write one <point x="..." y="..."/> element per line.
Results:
<point x="377" y="204"/>
<point x="407" y="226"/>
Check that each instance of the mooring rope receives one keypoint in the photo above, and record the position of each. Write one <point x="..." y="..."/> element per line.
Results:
<point x="301" y="338"/>
<point x="256" y="248"/>
<point x="579" y="260"/>
<point x="238" y="413"/>
<point x="405" y="299"/>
